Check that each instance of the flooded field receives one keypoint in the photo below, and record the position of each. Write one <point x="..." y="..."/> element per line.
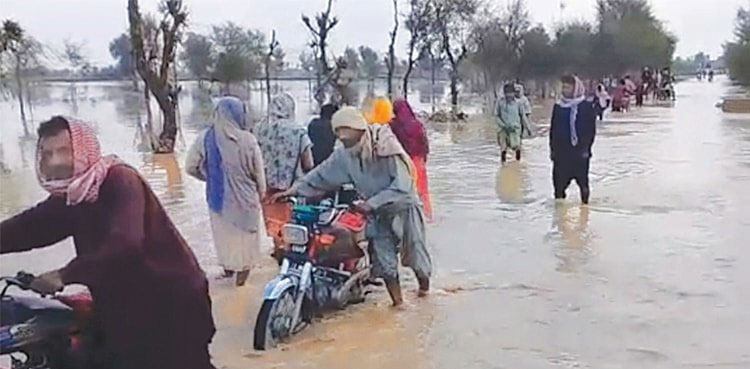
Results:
<point x="655" y="273"/>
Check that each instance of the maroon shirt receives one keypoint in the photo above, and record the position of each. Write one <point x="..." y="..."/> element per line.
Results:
<point x="150" y="294"/>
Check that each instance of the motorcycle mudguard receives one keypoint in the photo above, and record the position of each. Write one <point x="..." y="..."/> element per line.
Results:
<point x="276" y="286"/>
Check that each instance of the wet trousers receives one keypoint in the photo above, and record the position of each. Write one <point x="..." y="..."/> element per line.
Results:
<point x="564" y="170"/>
<point x="398" y="232"/>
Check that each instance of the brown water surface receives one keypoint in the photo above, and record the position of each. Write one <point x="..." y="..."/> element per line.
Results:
<point x="655" y="273"/>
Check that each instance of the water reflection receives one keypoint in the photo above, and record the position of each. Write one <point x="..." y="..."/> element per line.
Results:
<point x="165" y="166"/>
<point x="543" y="284"/>
<point x="510" y="184"/>
<point x="571" y="224"/>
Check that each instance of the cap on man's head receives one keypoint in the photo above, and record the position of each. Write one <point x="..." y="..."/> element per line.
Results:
<point x="349" y="117"/>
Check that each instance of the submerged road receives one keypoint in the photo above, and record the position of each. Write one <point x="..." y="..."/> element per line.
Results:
<point x="655" y="273"/>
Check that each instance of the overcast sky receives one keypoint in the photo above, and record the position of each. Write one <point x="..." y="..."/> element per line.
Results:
<point x="700" y="25"/>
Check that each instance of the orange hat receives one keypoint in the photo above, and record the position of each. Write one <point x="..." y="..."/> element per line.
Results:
<point x="381" y="112"/>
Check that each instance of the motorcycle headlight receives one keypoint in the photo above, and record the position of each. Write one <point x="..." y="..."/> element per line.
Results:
<point x="294" y="234"/>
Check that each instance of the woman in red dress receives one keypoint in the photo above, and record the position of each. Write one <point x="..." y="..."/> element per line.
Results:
<point x="413" y="137"/>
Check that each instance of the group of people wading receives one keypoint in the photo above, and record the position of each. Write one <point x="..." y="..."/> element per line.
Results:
<point x="141" y="272"/>
<point x="127" y="245"/>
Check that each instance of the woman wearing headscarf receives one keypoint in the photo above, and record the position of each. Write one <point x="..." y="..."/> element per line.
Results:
<point x="287" y="154"/>
<point x="227" y="157"/>
<point x="412" y="135"/>
<point x="151" y="296"/>
<point x="381" y="111"/>
<point x="571" y="136"/>
<point x="287" y="149"/>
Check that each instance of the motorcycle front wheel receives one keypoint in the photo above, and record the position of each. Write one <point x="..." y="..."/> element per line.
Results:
<point x="274" y="323"/>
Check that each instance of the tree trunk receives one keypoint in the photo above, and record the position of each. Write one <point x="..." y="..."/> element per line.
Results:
<point x="74" y="97"/>
<point x="392" y="51"/>
<point x="389" y="82"/>
<point x="156" y="80"/>
<point x="323" y="60"/>
<point x="133" y="69"/>
<point x="454" y="90"/>
<point x="149" y="118"/>
<point x="432" y="82"/>
<point x="268" y="84"/>
<point x="29" y="104"/>
<point x="169" y="133"/>
<point x="309" y="90"/>
<point x="409" y="68"/>
<point x="19" y="83"/>
<point x="169" y="128"/>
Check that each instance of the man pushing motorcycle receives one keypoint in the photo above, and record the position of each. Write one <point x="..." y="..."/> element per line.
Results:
<point x="151" y="296"/>
<point x="381" y="171"/>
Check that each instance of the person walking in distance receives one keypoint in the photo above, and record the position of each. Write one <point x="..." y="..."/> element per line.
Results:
<point x="510" y="118"/>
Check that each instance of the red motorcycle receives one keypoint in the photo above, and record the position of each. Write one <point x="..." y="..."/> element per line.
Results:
<point x="324" y="266"/>
<point x="45" y="332"/>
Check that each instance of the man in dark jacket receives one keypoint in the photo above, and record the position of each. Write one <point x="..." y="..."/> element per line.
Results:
<point x="321" y="134"/>
<point x="150" y="295"/>
<point x="571" y="136"/>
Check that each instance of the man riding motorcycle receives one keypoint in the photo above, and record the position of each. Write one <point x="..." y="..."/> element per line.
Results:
<point x="150" y="295"/>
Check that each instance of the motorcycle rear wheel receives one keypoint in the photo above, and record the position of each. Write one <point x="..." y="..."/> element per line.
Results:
<point x="274" y="321"/>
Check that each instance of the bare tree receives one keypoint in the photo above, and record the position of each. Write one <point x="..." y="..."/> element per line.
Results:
<point x="453" y="19"/>
<point x="418" y="22"/>
<point x="391" y="59"/>
<point x="156" y="76"/>
<point x="324" y="23"/>
<point x="273" y="46"/>
<point x="151" y="51"/>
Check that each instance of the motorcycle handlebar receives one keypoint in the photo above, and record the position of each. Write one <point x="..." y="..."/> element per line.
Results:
<point x="21" y="280"/>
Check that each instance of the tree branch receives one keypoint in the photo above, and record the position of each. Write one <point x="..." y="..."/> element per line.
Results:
<point x="306" y="21"/>
<point x="328" y="9"/>
<point x="170" y="38"/>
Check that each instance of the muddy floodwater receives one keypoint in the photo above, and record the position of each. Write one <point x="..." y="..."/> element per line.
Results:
<point x="655" y="273"/>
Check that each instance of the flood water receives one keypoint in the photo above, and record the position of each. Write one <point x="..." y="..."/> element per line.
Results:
<point x="655" y="273"/>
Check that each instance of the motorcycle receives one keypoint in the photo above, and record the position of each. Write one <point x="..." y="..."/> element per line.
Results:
<point x="325" y="265"/>
<point x="40" y="332"/>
